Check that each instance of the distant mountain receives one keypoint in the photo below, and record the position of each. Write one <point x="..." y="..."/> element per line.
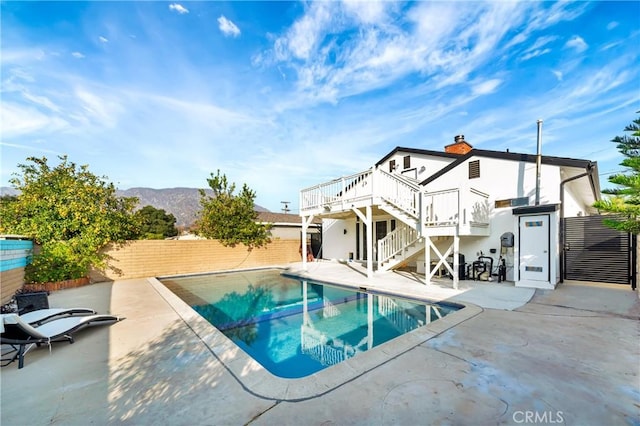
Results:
<point x="7" y="190"/>
<point x="183" y="203"/>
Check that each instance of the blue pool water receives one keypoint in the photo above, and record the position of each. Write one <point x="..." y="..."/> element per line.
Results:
<point x="296" y="327"/>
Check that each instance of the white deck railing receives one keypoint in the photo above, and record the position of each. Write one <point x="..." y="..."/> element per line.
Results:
<point x="441" y="207"/>
<point x="337" y="192"/>
<point x="368" y="184"/>
<point x="457" y="206"/>
<point x="464" y="207"/>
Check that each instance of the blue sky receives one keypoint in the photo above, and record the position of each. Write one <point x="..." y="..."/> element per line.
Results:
<point x="286" y="95"/>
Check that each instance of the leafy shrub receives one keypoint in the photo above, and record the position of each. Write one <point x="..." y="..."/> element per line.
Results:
<point x="56" y="262"/>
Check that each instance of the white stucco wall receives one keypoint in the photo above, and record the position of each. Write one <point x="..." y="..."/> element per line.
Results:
<point x="337" y="245"/>
<point x="503" y="179"/>
<point x="573" y="207"/>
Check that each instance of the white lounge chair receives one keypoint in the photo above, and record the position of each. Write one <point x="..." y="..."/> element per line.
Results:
<point x="39" y="317"/>
<point x="21" y="336"/>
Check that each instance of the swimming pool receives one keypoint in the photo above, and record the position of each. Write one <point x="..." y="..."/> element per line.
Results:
<point x="295" y="327"/>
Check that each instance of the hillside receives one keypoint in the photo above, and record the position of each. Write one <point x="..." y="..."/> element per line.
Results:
<point x="183" y="203"/>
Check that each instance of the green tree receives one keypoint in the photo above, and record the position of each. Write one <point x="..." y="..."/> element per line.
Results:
<point x="624" y="199"/>
<point x="156" y="224"/>
<point x="70" y="213"/>
<point x="228" y="217"/>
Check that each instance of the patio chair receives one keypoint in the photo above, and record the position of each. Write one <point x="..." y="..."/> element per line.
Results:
<point x="28" y="302"/>
<point x="39" y="317"/>
<point x="21" y="336"/>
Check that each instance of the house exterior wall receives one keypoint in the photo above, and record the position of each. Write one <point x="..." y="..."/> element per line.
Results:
<point x="503" y="179"/>
<point x="290" y="232"/>
<point x="337" y="245"/>
<point x="572" y="206"/>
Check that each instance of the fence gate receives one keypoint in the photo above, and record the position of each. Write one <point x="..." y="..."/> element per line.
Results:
<point x="594" y="252"/>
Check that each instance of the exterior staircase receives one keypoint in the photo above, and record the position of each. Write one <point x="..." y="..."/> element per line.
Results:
<point x="398" y="246"/>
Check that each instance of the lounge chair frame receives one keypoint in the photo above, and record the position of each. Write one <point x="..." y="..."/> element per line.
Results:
<point x="21" y="336"/>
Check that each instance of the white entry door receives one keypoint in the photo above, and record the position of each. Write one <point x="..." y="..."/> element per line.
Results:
<point x="534" y="248"/>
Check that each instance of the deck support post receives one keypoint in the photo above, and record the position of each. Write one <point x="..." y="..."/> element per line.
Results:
<point x="427" y="259"/>
<point x="456" y="260"/>
<point x="369" y="241"/>
<point x="367" y="219"/>
<point x="306" y="221"/>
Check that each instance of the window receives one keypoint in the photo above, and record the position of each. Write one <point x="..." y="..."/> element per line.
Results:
<point x="407" y="162"/>
<point x="392" y="165"/>
<point x="474" y="169"/>
<point x="512" y="202"/>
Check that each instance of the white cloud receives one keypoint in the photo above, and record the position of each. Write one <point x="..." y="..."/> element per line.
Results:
<point x="41" y="100"/>
<point x="306" y="34"/>
<point x="577" y="43"/>
<point x="535" y="53"/>
<point x="558" y="74"/>
<point x="227" y="27"/>
<point x="542" y="41"/>
<point x="536" y="48"/>
<point x="103" y="39"/>
<point x="436" y="42"/>
<point x="19" y="120"/>
<point x="176" y="7"/>
<point x="611" y="25"/>
<point x="486" y="87"/>
<point x="367" y="12"/>
<point x="98" y="108"/>
<point x="22" y="56"/>
<point x="77" y="55"/>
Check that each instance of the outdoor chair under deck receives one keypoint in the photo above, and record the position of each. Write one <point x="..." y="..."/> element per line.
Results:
<point x="21" y="336"/>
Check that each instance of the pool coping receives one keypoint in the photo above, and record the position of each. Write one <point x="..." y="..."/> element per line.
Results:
<point x="254" y="378"/>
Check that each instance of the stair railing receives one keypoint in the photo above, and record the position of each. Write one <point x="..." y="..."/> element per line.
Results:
<point x="395" y="242"/>
<point x="401" y="193"/>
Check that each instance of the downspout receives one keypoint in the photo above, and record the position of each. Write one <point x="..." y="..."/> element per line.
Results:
<point x="588" y="173"/>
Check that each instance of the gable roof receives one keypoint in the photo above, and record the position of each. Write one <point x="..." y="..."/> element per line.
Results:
<point x="512" y="156"/>
<point x="590" y="167"/>
<point x="417" y="151"/>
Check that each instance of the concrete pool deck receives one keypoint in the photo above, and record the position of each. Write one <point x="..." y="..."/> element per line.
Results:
<point x="568" y="356"/>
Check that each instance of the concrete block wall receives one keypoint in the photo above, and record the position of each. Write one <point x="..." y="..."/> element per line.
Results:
<point x="10" y="282"/>
<point x="150" y="258"/>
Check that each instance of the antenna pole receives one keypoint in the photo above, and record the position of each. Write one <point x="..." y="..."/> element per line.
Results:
<point x="538" y="162"/>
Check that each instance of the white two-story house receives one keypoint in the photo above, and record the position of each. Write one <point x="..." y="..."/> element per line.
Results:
<point x="464" y="212"/>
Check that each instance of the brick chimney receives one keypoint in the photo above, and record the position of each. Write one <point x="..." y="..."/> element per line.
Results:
<point x="459" y="146"/>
